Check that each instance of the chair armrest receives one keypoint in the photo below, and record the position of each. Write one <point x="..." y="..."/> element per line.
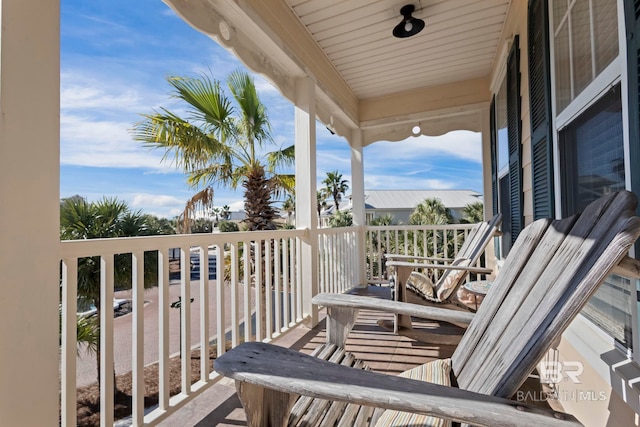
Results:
<point x="259" y="368"/>
<point x="421" y="311"/>
<point x="470" y="268"/>
<point x="423" y="258"/>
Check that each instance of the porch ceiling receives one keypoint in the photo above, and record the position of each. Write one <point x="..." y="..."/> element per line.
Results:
<point x="459" y="41"/>
<point x="365" y="77"/>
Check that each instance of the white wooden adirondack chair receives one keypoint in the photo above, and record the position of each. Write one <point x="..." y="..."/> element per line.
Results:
<point x="552" y="270"/>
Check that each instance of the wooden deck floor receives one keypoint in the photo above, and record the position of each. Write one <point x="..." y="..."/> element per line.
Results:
<point x="381" y="349"/>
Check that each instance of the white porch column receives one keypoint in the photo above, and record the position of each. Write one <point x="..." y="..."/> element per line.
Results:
<point x="306" y="217"/>
<point x="29" y="211"/>
<point x="357" y="201"/>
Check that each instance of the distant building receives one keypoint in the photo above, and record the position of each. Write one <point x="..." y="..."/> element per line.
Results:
<point x="401" y="203"/>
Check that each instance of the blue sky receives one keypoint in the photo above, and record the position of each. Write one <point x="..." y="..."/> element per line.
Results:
<point x="115" y="58"/>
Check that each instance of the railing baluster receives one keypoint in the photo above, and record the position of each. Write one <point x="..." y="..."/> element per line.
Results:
<point x="69" y="342"/>
<point x="299" y="278"/>
<point x="285" y="282"/>
<point x="338" y="262"/>
<point x="246" y="255"/>
<point x="106" y="340"/>
<point x="204" y="313"/>
<point x="268" y="289"/>
<point x="185" y="319"/>
<point x="325" y="264"/>
<point x="163" y="328"/>
<point x="278" y="296"/>
<point x="320" y="263"/>
<point x="292" y="279"/>
<point x="137" y="337"/>
<point x="258" y="290"/>
<point x="235" y="301"/>
<point x="220" y="300"/>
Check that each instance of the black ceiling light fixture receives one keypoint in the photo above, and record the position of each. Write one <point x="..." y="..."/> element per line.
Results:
<point x="409" y="26"/>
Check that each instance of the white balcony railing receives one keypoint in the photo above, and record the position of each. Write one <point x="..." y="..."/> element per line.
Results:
<point x="239" y="310"/>
<point x="417" y="240"/>
<point x="224" y="312"/>
<point x="338" y="263"/>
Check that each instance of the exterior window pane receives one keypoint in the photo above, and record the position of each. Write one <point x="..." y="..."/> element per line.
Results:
<point x="592" y="159"/>
<point x="563" y="68"/>
<point x="610" y="309"/>
<point x="559" y="9"/>
<point x="581" y="38"/>
<point x="592" y="154"/>
<point x="585" y="40"/>
<point x="605" y="34"/>
<point x="501" y="127"/>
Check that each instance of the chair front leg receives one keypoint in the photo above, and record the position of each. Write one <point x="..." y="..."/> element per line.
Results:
<point x="402" y="275"/>
<point x="340" y="321"/>
<point x="263" y="406"/>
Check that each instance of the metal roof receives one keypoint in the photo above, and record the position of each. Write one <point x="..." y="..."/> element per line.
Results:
<point x="409" y="199"/>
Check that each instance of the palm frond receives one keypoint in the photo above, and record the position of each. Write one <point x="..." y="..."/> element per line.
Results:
<point x="253" y="120"/>
<point x="188" y="146"/>
<point x="202" y="199"/>
<point x="283" y="157"/>
<point x="208" y="103"/>
<point x="283" y="184"/>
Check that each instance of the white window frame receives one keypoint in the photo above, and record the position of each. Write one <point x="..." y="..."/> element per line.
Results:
<point x="614" y="73"/>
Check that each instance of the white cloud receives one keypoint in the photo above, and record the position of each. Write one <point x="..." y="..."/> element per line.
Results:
<point x="155" y="200"/>
<point x="459" y="144"/>
<point x="236" y="206"/>
<point x="90" y="142"/>
<point x="82" y="97"/>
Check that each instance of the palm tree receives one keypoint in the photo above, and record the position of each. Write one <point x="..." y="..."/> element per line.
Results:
<point x="80" y="220"/>
<point x="382" y="220"/>
<point x="87" y="332"/>
<point x="341" y="219"/>
<point x="473" y="213"/>
<point x="336" y="187"/>
<point x="321" y="203"/>
<point x="430" y="211"/>
<point x="221" y="141"/>
<point x="289" y="206"/>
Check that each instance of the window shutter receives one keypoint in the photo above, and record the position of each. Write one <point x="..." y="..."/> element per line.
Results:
<point x="514" y="130"/>
<point x="494" y="156"/>
<point x="540" y="111"/>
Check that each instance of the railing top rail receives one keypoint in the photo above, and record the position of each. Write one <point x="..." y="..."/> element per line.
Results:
<point x="419" y="227"/>
<point x="338" y="230"/>
<point x="93" y="247"/>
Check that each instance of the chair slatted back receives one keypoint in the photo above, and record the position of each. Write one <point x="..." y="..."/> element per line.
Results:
<point x="478" y="238"/>
<point x="474" y="245"/>
<point x="551" y="271"/>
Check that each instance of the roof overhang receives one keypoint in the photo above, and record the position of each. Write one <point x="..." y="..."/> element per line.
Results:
<point x="288" y="41"/>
